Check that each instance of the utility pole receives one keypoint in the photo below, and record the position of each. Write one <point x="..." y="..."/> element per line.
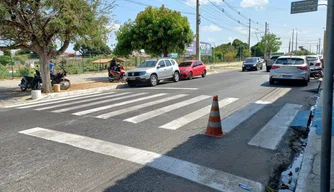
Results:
<point x="319" y="46"/>
<point x="198" y="21"/>
<point x="296" y="40"/>
<point x="326" y="136"/>
<point x="265" y="42"/>
<point x="289" y="45"/>
<point x="249" y="34"/>
<point x="293" y="36"/>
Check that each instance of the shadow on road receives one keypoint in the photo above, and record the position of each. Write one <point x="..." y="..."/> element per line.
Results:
<point x="10" y="93"/>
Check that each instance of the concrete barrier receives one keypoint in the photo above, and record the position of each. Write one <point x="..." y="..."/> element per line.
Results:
<point x="36" y="94"/>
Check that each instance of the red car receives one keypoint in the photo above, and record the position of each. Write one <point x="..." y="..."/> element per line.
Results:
<point x="192" y="68"/>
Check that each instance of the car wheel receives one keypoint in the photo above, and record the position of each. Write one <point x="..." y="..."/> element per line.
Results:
<point x="190" y="75"/>
<point x="267" y="69"/>
<point x="131" y="83"/>
<point x="257" y="68"/>
<point x="271" y="81"/>
<point x="305" y="83"/>
<point x="243" y="69"/>
<point x="204" y="74"/>
<point x="153" y="80"/>
<point x="176" y="76"/>
<point x="261" y="67"/>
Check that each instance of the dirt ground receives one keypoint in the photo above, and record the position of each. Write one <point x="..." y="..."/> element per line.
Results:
<point x="82" y="86"/>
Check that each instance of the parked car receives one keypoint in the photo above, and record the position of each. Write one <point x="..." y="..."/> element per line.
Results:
<point x="252" y="63"/>
<point x="271" y="61"/>
<point x="192" y="68"/>
<point x="154" y="70"/>
<point x="294" y="68"/>
<point x="316" y="66"/>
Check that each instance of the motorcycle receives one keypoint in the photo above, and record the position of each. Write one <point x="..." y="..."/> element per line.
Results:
<point x="31" y="82"/>
<point x="59" y="78"/>
<point x="116" y="73"/>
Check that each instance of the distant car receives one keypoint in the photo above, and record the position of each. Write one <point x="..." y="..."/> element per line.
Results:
<point x="271" y="61"/>
<point x="314" y="61"/>
<point x="154" y="70"/>
<point x="294" y="68"/>
<point x="192" y="68"/>
<point x="252" y="63"/>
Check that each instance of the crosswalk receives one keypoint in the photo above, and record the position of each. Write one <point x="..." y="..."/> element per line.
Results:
<point x="142" y="107"/>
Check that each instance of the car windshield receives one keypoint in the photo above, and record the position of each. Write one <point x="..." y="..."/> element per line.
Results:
<point x="312" y="58"/>
<point x="250" y="60"/>
<point x="290" y="61"/>
<point x="185" y="64"/>
<point x="147" y="64"/>
<point x="274" y="57"/>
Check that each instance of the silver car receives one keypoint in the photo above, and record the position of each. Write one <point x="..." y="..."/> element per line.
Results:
<point x="154" y="70"/>
<point x="290" y="68"/>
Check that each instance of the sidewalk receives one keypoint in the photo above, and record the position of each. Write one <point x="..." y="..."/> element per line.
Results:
<point x="309" y="176"/>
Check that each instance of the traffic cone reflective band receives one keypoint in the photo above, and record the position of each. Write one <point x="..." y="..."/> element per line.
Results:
<point x="214" y="128"/>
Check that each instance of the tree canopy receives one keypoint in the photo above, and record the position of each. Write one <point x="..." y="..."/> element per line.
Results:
<point x="47" y="27"/>
<point x="156" y="30"/>
<point x="271" y="42"/>
<point x="87" y="50"/>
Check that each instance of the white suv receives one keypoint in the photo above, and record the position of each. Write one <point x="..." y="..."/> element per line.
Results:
<point x="154" y="70"/>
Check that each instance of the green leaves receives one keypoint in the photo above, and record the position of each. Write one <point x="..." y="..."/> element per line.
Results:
<point x="157" y="30"/>
<point x="272" y="43"/>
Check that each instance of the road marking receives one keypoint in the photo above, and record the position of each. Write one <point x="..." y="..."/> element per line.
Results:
<point x="157" y="112"/>
<point x="171" y="88"/>
<point x="271" y="134"/>
<point x="177" y="123"/>
<point x="136" y="107"/>
<point x="82" y="101"/>
<point x="275" y="94"/>
<point x="212" y="178"/>
<point x="118" y="104"/>
<point x="54" y="101"/>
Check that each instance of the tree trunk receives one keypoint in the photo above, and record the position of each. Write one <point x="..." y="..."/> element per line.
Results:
<point x="45" y="71"/>
<point x="164" y="51"/>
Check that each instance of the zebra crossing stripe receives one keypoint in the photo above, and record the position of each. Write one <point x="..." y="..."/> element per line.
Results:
<point x="82" y="101"/>
<point x="177" y="123"/>
<point x="215" y="179"/>
<point x="54" y="101"/>
<point x="136" y="107"/>
<point x="157" y="112"/>
<point x="271" y="134"/>
<point x="118" y="104"/>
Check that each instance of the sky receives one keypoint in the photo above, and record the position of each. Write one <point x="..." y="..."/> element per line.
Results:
<point x="224" y="21"/>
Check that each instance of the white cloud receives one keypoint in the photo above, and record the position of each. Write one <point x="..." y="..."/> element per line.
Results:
<point x="211" y="28"/>
<point x="192" y="3"/>
<point x="242" y="30"/>
<point x="258" y="4"/>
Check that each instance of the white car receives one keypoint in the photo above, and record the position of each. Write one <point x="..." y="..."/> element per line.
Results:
<point x="154" y="70"/>
<point x="294" y="68"/>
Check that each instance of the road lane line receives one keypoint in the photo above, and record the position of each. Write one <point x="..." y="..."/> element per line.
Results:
<point x="80" y="113"/>
<point x="83" y="101"/>
<point x="59" y="100"/>
<point x="136" y="107"/>
<point x="271" y="134"/>
<point x="212" y="178"/>
<point x="171" y="88"/>
<point x="157" y="112"/>
<point x="177" y="123"/>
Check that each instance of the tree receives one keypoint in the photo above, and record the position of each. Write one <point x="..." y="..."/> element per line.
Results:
<point x="156" y="30"/>
<point x="92" y="50"/>
<point x="4" y="60"/>
<point x="7" y="53"/>
<point x="271" y="42"/>
<point x="240" y="47"/>
<point x="257" y="51"/>
<point x="39" y="25"/>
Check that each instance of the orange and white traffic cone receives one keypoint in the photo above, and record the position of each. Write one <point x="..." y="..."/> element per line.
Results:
<point x="214" y="128"/>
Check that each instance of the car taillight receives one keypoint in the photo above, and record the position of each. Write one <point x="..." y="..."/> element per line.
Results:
<point x="274" y="67"/>
<point x="318" y="64"/>
<point x="303" y="68"/>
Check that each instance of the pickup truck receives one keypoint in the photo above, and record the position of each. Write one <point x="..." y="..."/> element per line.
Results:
<point x="270" y="62"/>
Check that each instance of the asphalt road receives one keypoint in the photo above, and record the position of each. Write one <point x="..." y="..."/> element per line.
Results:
<point x="95" y="143"/>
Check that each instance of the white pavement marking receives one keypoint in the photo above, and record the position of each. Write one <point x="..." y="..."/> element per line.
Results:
<point x="171" y="88"/>
<point x="271" y="134"/>
<point x="54" y="101"/>
<point x="177" y="123"/>
<point x="157" y="112"/>
<point x="83" y="101"/>
<point x="232" y="121"/>
<point x="136" y="107"/>
<point x="118" y="104"/>
<point x="212" y="178"/>
<point x="119" y="97"/>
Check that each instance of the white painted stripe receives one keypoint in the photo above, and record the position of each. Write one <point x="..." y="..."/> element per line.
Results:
<point x="276" y="94"/>
<point x="177" y="123"/>
<point x="136" y="107"/>
<point x="157" y="112"/>
<point x="170" y="88"/>
<point x="118" y="104"/>
<point x="212" y="178"/>
<point x="57" y="99"/>
<point x="271" y="134"/>
<point x="54" y="101"/>
<point x="83" y="101"/>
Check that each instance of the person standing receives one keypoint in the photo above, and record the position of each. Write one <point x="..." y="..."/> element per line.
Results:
<point x="52" y="67"/>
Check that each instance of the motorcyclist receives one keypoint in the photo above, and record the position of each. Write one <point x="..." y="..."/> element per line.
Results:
<point x="113" y="65"/>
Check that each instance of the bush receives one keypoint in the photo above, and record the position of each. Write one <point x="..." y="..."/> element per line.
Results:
<point x="25" y="71"/>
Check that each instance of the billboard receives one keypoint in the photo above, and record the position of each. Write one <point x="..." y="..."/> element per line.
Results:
<point x="205" y="48"/>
